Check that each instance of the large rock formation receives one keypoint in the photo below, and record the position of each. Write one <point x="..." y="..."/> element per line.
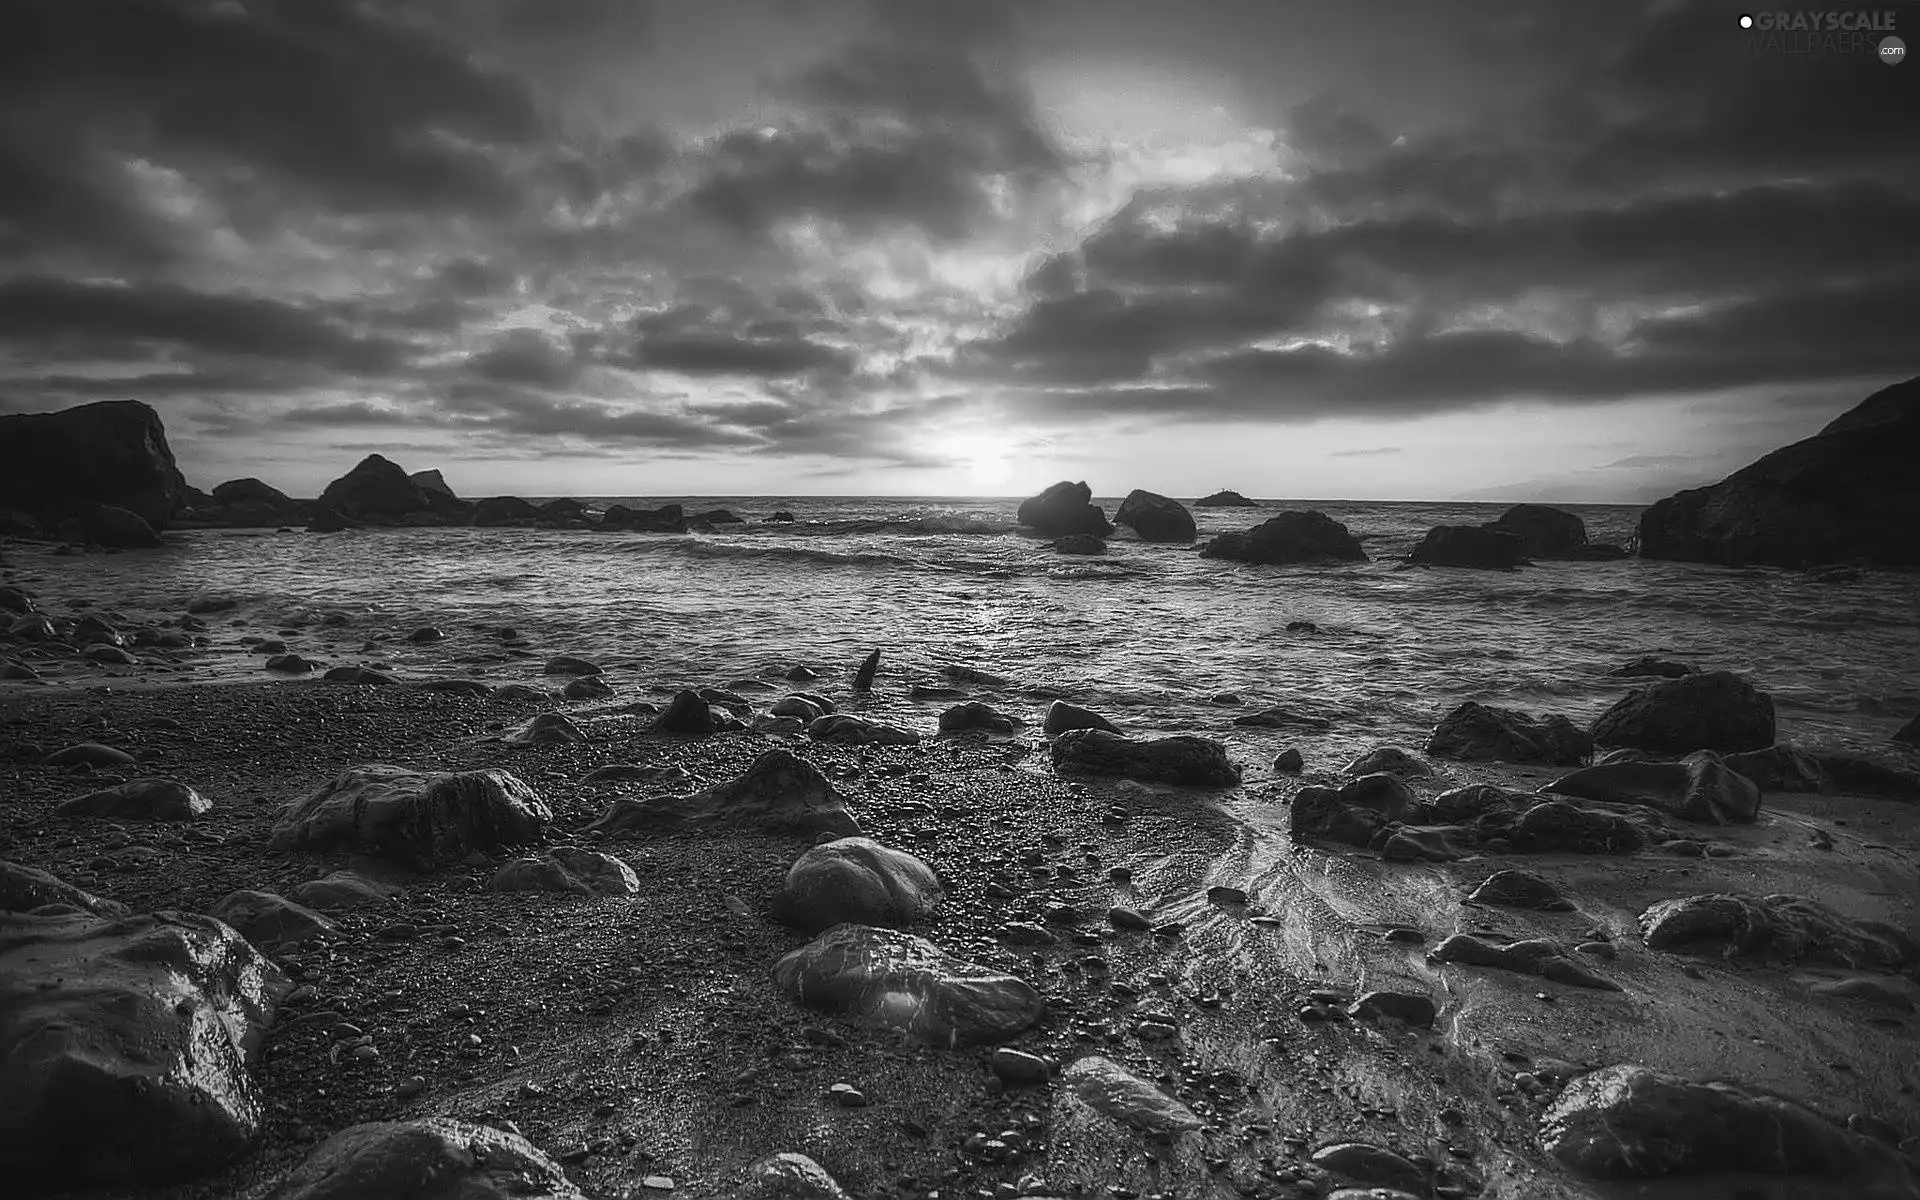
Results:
<point x="246" y="502"/>
<point x="1849" y="493"/>
<point x="1480" y="731"/>
<point x="857" y="880"/>
<point x="421" y="818"/>
<point x="1481" y="546"/>
<point x="899" y="981"/>
<point x="432" y="1158"/>
<point x="779" y="791"/>
<point x="1714" y="711"/>
<point x="1291" y="537"/>
<point x="1225" y="498"/>
<point x="377" y="490"/>
<point x="1544" y="532"/>
<point x="124" y="1047"/>
<point x="55" y="466"/>
<point x="432" y="481"/>
<point x="1183" y="759"/>
<point x="1155" y="517"/>
<point x="502" y="510"/>
<point x="1062" y="509"/>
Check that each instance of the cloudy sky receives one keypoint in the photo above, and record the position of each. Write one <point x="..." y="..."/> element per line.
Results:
<point x="649" y="247"/>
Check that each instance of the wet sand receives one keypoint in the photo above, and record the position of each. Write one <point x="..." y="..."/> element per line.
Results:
<point x="643" y="1037"/>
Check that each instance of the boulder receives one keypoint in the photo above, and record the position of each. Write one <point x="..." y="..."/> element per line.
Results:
<point x="1415" y="1009"/>
<point x="1477" y="546"/>
<point x="423" y="818"/>
<point x="779" y="791"/>
<point x="848" y="730"/>
<point x="566" y="664"/>
<point x="110" y="526"/>
<point x="857" y="880"/>
<point x="251" y="492"/>
<point x="431" y="1158"/>
<point x="1847" y="494"/>
<point x="1777" y="928"/>
<point x="1354" y="813"/>
<point x="1062" y="509"/>
<point x="1282" y="718"/>
<point x="1699" y="788"/>
<point x="1632" y="1122"/>
<point x="499" y="510"/>
<point x="1062" y="716"/>
<point x="560" y="511"/>
<point x="1290" y="537"/>
<point x="1520" y="889"/>
<point x="1183" y="759"/>
<point x="972" y="716"/>
<point x="24" y="888"/>
<point x="1544" y="532"/>
<point x="432" y="482"/>
<point x="570" y="870"/>
<point x="1079" y="543"/>
<point x="1532" y="956"/>
<point x="1713" y="711"/>
<point x="269" y="920"/>
<point x="788" y="1177"/>
<point x="1117" y="1093"/>
<point x="375" y="489"/>
<point x="125" y="1046"/>
<point x="1389" y="760"/>
<point x="547" y="729"/>
<point x="139" y="800"/>
<point x="668" y="518"/>
<point x="1781" y="768"/>
<point x="1225" y="499"/>
<point x="898" y="981"/>
<point x="343" y="890"/>
<point x="55" y="465"/>
<point x="586" y="687"/>
<point x="689" y="715"/>
<point x="1155" y="517"/>
<point x="1476" y="731"/>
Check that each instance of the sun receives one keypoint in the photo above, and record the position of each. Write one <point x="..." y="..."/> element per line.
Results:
<point x="983" y="460"/>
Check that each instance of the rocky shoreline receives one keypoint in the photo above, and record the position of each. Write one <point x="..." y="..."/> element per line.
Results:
<point x="1138" y="969"/>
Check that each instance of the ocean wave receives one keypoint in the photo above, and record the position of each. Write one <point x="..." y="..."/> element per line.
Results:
<point x="691" y="547"/>
<point x="927" y="526"/>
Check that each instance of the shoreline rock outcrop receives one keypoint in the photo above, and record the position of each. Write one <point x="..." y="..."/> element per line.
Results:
<point x="56" y="466"/>
<point x="1062" y="509"/>
<point x="1289" y="538"/>
<point x="1155" y="518"/>
<point x="1225" y="498"/>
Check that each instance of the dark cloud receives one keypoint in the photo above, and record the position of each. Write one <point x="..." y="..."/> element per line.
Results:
<point x="526" y="356"/>
<point x="739" y="334"/>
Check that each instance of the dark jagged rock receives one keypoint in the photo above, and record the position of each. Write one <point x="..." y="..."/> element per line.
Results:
<point x="24" y="888"/>
<point x="1649" y="665"/>
<point x="1079" y="543"/>
<point x="1117" y="1093"/>
<point x="1155" y="517"/>
<point x="1520" y="889"/>
<point x="779" y="791"/>
<point x="431" y="1158"/>
<point x="547" y="729"/>
<point x="1352" y="814"/>
<point x="788" y="1177"/>
<point x="110" y="526"/>
<point x="1389" y="760"/>
<point x="1289" y="538"/>
<point x="125" y="1046"/>
<point x="857" y="880"/>
<point x="55" y="465"/>
<point x="1778" y="928"/>
<point x="289" y="664"/>
<point x="376" y="488"/>
<point x="972" y="716"/>
<point x="419" y="817"/>
<point x="668" y="518"/>
<point x="689" y="715"/>
<point x="1476" y="731"/>
<point x="1289" y="762"/>
<point x="899" y="981"/>
<point x="1225" y="499"/>
<point x="1715" y="711"/>
<point x="1544" y="532"/>
<point x="1909" y="734"/>
<point x="432" y="482"/>
<point x="847" y="729"/>
<point x="1533" y="956"/>
<point x="863" y="678"/>
<point x="1183" y="759"/>
<point x="1062" y="716"/>
<point x="1631" y="1122"/>
<point x="1415" y="1010"/>
<point x="1476" y="546"/>
<point x="13" y="600"/>
<point x="568" y="870"/>
<point x="561" y="511"/>
<point x="1699" y="788"/>
<point x="268" y="920"/>
<point x="1062" y="509"/>
<point x="1846" y="495"/>
<point x="1781" y="768"/>
<point x="587" y="687"/>
<point x="139" y="800"/>
<point x="501" y="510"/>
<point x="326" y="519"/>
<point x="249" y="502"/>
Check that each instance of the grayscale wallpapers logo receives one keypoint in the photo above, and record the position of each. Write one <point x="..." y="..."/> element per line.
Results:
<point x="1829" y="31"/>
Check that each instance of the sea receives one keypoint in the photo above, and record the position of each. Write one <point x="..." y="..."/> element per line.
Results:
<point x="1149" y="634"/>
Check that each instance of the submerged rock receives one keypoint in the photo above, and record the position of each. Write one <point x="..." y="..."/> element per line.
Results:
<point x="1780" y="928"/>
<point x="1631" y="1122"/>
<point x="1194" y="761"/>
<point x="1291" y="537"/>
<point x="1476" y="546"/>
<point x="569" y="870"/>
<point x="420" y="817"/>
<point x="1698" y="788"/>
<point x="1079" y="543"/>
<point x="857" y="880"/>
<point x="779" y="791"/>
<point x="268" y="920"/>
<point x="899" y="981"/>
<point x="124" y="1048"/>
<point x="1117" y="1093"/>
<point x="1648" y="665"/>
<point x="1715" y="711"/>
<point x="1155" y="518"/>
<point x="1062" y="509"/>
<point x="1062" y="716"/>
<point x="566" y="664"/>
<point x="431" y="1158"/>
<point x="1476" y="731"/>
<point x="139" y="800"/>
<point x="1283" y="718"/>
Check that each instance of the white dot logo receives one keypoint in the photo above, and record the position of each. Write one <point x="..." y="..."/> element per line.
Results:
<point x="1893" y="51"/>
<point x="1746" y="22"/>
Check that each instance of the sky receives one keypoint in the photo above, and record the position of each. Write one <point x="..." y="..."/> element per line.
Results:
<point x="1513" y="249"/>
